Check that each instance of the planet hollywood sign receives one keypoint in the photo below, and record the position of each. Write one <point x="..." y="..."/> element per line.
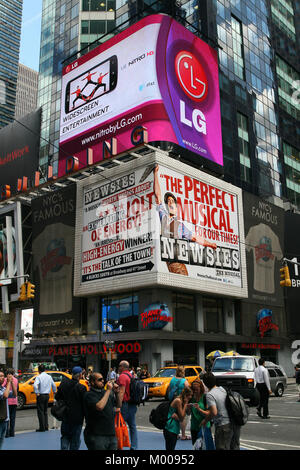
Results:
<point x="93" y="349"/>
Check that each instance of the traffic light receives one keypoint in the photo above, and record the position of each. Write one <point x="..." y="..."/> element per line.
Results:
<point x="30" y="290"/>
<point x="285" y="277"/>
<point x="23" y="293"/>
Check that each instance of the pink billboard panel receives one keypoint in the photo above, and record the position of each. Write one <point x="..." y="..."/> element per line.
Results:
<point x="155" y="76"/>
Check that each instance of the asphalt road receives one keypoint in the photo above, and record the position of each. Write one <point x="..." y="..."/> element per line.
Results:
<point x="281" y="432"/>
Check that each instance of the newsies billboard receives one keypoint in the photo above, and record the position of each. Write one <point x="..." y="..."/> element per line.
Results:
<point x="156" y="81"/>
<point x="156" y="221"/>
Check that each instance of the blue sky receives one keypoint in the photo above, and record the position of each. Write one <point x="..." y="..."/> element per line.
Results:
<point x="31" y="33"/>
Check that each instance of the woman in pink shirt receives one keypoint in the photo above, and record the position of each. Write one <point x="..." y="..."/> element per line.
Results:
<point x="12" y="403"/>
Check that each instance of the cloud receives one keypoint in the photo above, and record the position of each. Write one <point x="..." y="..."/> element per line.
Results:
<point x="29" y="21"/>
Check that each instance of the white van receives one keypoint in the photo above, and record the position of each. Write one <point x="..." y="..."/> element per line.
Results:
<point x="237" y="373"/>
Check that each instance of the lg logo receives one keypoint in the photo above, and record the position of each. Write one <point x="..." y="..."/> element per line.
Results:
<point x="193" y="81"/>
<point x="191" y="76"/>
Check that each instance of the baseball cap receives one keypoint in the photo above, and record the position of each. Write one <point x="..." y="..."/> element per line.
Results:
<point x="76" y="370"/>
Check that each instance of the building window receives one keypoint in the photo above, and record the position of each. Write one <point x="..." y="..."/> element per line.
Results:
<point x="2" y="92"/>
<point x="283" y="17"/>
<point x="292" y="172"/>
<point x="238" y="48"/>
<point x="245" y="164"/>
<point x="288" y="79"/>
<point x="213" y="315"/>
<point x="120" y="313"/>
<point x="184" y="312"/>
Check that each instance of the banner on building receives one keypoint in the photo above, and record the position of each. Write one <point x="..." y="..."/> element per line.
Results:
<point x="156" y="75"/>
<point x="19" y="151"/>
<point x="264" y="232"/>
<point x="292" y="252"/>
<point x="53" y="222"/>
<point x="159" y="222"/>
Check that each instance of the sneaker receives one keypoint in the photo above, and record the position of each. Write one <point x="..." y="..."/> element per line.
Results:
<point x="266" y="417"/>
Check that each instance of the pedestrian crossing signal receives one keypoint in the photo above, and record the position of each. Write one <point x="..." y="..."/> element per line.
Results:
<point x="23" y="293"/>
<point x="285" y="277"/>
<point x="30" y="290"/>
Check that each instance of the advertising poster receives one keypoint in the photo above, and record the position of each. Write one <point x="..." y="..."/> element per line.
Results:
<point x="19" y="151"/>
<point x="199" y="228"/>
<point x="292" y="252"/>
<point x="156" y="75"/>
<point x="118" y="236"/>
<point x="264" y="235"/>
<point x="159" y="223"/>
<point x="53" y="222"/>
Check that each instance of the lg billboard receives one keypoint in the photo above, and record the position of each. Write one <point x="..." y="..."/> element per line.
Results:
<point x="156" y="75"/>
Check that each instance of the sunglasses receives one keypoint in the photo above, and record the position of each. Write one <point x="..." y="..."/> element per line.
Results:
<point x="100" y="380"/>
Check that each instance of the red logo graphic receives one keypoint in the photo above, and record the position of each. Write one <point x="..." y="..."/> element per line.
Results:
<point x="191" y="76"/>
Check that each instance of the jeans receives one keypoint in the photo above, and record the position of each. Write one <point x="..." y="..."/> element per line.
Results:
<point x="3" y="427"/>
<point x="94" y="442"/>
<point x="70" y="436"/>
<point x="128" y="412"/>
<point x="42" y="411"/>
<point x="10" y="432"/>
<point x="227" y="437"/>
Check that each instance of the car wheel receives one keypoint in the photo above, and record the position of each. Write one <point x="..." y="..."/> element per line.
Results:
<point x="21" y="401"/>
<point x="279" y="390"/>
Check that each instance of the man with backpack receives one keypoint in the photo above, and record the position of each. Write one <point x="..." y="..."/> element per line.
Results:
<point x="72" y="393"/>
<point x="128" y="409"/>
<point x="227" y="433"/>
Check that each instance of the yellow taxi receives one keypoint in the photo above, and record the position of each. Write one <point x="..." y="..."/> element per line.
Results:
<point x="159" y="383"/>
<point x="26" y="395"/>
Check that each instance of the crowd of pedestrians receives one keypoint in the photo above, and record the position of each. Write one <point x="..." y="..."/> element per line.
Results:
<point x="94" y="407"/>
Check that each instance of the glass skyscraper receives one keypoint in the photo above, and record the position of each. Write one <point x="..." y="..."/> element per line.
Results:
<point x="10" y="34"/>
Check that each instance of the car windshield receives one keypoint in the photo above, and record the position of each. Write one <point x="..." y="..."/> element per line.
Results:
<point x="165" y="373"/>
<point x="24" y="377"/>
<point x="233" y="364"/>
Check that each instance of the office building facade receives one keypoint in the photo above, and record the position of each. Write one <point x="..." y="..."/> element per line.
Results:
<point x="10" y="34"/>
<point x="27" y="86"/>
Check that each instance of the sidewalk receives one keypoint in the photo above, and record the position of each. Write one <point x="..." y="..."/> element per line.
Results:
<point x="50" y="440"/>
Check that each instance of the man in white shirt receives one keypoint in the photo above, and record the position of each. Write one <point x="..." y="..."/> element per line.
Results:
<point x="262" y="380"/>
<point x="42" y="388"/>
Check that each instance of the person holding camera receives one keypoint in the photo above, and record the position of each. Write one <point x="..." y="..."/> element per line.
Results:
<point x="177" y="412"/>
<point x="99" y="433"/>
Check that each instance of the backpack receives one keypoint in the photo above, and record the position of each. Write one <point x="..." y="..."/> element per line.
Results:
<point x="236" y="407"/>
<point x="59" y="410"/>
<point x="138" y="390"/>
<point x="159" y="415"/>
